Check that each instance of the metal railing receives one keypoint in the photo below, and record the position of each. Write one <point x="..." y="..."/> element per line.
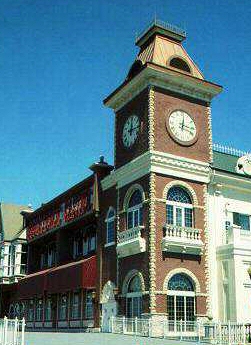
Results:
<point x="12" y="331"/>
<point x="229" y="150"/>
<point x="206" y="332"/>
<point x="164" y="25"/>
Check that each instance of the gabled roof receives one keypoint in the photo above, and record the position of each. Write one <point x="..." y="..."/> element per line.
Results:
<point x="11" y="221"/>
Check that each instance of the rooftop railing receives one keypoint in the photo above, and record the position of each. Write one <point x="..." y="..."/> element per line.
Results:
<point x="165" y="25"/>
<point x="229" y="150"/>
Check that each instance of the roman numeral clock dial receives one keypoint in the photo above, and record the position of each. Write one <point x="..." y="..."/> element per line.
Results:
<point x="182" y="128"/>
<point x="130" y="130"/>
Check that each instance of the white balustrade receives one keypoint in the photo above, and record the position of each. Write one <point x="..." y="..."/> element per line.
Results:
<point x="180" y="239"/>
<point x="131" y="242"/>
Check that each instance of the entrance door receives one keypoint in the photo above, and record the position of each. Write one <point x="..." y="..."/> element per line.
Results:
<point x="109" y="309"/>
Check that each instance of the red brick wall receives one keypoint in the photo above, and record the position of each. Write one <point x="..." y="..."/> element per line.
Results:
<point x="138" y="106"/>
<point x="165" y="103"/>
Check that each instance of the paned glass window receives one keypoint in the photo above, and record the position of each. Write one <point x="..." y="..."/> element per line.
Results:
<point x="75" y="305"/>
<point x="63" y="310"/>
<point x="179" y="208"/>
<point x="242" y="220"/>
<point x="89" y="305"/>
<point x="110" y="226"/>
<point x="135" y="210"/>
<point x="181" y="301"/>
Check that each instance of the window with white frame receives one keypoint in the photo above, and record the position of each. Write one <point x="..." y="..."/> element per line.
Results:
<point x="89" y="305"/>
<point x="63" y="307"/>
<point x="30" y="310"/>
<point x="39" y="310"/>
<point x="134" y="297"/>
<point x="181" y="298"/>
<point x="179" y="208"/>
<point x="242" y="220"/>
<point x="75" y="305"/>
<point x="48" y="309"/>
<point x="110" y="225"/>
<point x="135" y="210"/>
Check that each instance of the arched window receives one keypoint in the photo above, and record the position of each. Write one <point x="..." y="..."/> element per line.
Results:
<point x="110" y="225"/>
<point x="134" y="297"/>
<point x="179" y="208"/>
<point x="135" y="211"/>
<point x="181" y="300"/>
<point x="180" y="64"/>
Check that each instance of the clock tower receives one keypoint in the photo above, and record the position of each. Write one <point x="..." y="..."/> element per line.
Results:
<point x="163" y="151"/>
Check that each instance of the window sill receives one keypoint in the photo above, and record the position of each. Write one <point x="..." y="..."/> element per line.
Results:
<point x="109" y="244"/>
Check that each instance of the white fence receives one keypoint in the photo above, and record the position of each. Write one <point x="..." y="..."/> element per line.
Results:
<point x="12" y="331"/>
<point x="215" y="333"/>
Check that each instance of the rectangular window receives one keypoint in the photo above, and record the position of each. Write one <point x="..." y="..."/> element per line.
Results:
<point x="242" y="220"/>
<point x="169" y="214"/>
<point x="89" y="305"/>
<point x="63" y="307"/>
<point x="85" y="246"/>
<point x="188" y="217"/>
<point x="135" y="218"/>
<point x="75" y="305"/>
<point x="130" y="220"/>
<point x="48" y="315"/>
<point x="110" y="231"/>
<point x="92" y="243"/>
<point x="179" y="216"/>
<point x="39" y="310"/>
<point x="31" y="311"/>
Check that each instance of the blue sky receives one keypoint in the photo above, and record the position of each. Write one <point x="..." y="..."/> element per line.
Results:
<point x="60" y="58"/>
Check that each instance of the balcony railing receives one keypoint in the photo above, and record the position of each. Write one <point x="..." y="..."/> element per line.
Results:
<point x="179" y="239"/>
<point x="131" y="242"/>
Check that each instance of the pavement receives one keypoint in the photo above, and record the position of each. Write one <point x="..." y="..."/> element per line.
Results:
<point x="46" y="338"/>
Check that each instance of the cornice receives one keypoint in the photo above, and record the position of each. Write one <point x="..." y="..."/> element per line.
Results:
<point x="158" y="162"/>
<point x="154" y="75"/>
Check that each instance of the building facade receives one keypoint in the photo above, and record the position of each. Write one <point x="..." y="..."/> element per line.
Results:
<point x="162" y="234"/>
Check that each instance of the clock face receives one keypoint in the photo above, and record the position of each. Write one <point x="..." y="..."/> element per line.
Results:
<point x="182" y="127"/>
<point x="131" y="130"/>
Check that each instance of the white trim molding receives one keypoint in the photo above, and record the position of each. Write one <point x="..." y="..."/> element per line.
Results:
<point x="185" y="271"/>
<point x="183" y="184"/>
<point x="158" y="162"/>
<point x="128" y="278"/>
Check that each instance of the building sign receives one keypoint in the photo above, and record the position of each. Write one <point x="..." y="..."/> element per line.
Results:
<point x="72" y="209"/>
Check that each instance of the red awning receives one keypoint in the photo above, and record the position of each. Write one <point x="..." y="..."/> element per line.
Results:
<point x="73" y="276"/>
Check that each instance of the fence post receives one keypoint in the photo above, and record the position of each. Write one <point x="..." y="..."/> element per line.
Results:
<point x="229" y="333"/>
<point x="123" y="324"/>
<point x="198" y="329"/>
<point x="5" y="331"/>
<point x="111" y="324"/>
<point x="15" y="331"/>
<point x="23" y="328"/>
<point x="244" y="333"/>
<point x="149" y="328"/>
<point x="136" y="325"/>
<point x="181" y="328"/>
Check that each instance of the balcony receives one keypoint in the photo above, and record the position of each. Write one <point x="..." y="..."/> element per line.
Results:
<point x="182" y="240"/>
<point x="131" y="242"/>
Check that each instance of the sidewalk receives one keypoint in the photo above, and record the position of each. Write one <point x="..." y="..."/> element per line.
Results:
<point x="41" y="338"/>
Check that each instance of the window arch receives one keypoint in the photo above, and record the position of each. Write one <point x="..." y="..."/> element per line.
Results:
<point x="110" y="225"/>
<point x="135" y="210"/>
<point x="134" y="297"/>
<point x="180" y="282"/>
<point x="181" y="300"/>
<point x="179" y="63"/>
<point x="179" y="207"/>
